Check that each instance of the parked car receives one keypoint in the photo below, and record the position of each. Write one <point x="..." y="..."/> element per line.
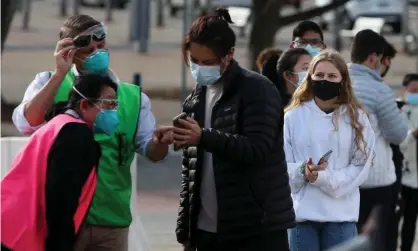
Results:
<point x="120" y="4"/>
<point x="389" y="10"/>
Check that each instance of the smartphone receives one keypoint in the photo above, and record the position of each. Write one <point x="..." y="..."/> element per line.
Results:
<point x="400" y="103"/>
<point x="176" y="123"/>
<point x="176" y="119"/>
<point x="325" y="157"/>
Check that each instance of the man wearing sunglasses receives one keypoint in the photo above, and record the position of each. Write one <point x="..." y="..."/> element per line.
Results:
<point x="308" y="35"/>
<point x="82" y="49"/>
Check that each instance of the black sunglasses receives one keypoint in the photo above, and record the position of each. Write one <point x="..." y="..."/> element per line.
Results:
<point x="84" y="40"/>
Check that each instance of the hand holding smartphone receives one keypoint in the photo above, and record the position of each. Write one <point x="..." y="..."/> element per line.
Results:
<point x="176" y="119"/>
<point x="325" y="157"/>
<point x="176" y="123"/>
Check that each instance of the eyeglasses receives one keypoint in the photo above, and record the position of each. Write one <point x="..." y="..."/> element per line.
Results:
<point x="85" y="40"/>
<point x="96" y="33"/>
<point x="108" y="104"/>
<point x="305" y="42"/>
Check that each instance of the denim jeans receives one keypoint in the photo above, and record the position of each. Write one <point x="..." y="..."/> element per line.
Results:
<point x="319" y="236"/>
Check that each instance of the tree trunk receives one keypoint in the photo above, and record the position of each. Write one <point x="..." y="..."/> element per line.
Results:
<point x="264" y="28"/>
<point x="8" y="8"/>
<point x="262" y="36"/>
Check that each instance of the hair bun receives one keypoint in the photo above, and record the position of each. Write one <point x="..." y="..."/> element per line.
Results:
<point x="223" y="13"/>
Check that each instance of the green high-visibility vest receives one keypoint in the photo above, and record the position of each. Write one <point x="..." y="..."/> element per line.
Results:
<point x="111" y="202"/>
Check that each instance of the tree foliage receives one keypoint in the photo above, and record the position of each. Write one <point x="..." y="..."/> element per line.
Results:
<point x="268" y="19"/>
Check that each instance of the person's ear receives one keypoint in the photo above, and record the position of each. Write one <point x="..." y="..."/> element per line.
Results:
<point x="84" y="105"/>
<point x="386" y="61"/>
<point x="288" y="76"/>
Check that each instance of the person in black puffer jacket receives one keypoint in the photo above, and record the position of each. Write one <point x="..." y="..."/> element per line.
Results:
<point x="235" y="187"/>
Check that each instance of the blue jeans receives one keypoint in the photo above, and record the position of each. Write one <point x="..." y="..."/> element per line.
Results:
<point x="319" y="236"/>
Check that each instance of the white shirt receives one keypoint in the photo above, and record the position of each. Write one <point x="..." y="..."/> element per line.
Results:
<point x="146" y="121"/>
<point x="334" y="196"/>
<point x="208" y="216"/>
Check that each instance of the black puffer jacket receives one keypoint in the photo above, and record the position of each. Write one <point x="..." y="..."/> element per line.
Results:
<point x="246" y="141"/>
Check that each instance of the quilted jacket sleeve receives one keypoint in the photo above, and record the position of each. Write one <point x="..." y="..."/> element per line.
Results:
<point x="182" y="228"/>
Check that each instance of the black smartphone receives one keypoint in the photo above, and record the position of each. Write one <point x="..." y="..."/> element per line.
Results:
<point x="400" y="103"/>
<point x="176" y="123"/>
<point x="325" y="157"/>
<point x="176" y="119"/>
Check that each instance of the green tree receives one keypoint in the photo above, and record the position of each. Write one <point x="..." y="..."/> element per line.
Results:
<point x="268" y="20"/>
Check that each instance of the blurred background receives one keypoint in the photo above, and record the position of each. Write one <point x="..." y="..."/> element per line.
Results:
<point x="144" y="37"/>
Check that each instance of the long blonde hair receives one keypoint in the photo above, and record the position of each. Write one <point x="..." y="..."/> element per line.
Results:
<point x="304" y="94"/>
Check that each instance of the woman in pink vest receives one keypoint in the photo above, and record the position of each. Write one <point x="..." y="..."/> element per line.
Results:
<point x="47" y="193"/>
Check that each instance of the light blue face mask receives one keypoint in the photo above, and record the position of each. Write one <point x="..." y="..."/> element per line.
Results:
<point x="301" y="77"/>
<point x="312" y="50"/>
<point x="97" y="62"/>
<point x="205" y="75"/>
<point x="412" y="98"/>
<point x="107" y="121"/>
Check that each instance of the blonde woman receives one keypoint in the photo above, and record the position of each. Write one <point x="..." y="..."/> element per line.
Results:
<point x="324" y="116"/>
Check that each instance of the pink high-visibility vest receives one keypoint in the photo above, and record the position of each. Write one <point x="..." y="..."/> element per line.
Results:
<point x="23" y="223"/>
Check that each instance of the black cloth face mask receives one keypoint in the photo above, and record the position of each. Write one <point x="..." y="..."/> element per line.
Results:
<point x="325" y="90"/>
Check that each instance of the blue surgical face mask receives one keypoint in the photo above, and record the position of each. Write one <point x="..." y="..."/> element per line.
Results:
<point x="97" y="62"/>
<point x="106" y="121"/>
<point x="301" y="77"/>
<point x="412" y="98"/>
<point x="205" y="75"/>
<point x="312" y="50"/>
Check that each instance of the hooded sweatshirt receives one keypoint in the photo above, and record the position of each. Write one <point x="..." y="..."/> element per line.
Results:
<point x="334" y="196"/>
